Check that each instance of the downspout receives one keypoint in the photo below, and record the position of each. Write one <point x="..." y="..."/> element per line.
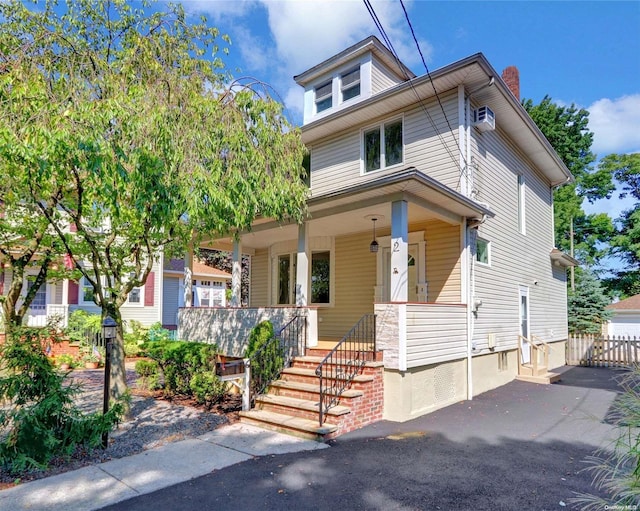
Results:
<point x="467" y="274"/>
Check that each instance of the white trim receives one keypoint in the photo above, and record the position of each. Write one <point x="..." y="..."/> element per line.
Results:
<point x="402" y="337"/>
<point x="522" y="219"/>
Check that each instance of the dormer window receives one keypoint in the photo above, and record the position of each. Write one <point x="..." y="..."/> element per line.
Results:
<point x="324" y="97"/>
<point x="350" y="84"/>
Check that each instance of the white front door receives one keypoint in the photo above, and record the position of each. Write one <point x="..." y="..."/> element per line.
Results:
<point x="524" y="323"/>
<point x="37" y="313"/>
<point x="412" y="273"/>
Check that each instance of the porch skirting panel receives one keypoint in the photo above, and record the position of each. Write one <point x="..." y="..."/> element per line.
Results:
<point x="421" y="390"/>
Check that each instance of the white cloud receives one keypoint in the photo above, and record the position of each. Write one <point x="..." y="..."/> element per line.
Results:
<point x="615" y="125"/>
<point x="307" y="32"/>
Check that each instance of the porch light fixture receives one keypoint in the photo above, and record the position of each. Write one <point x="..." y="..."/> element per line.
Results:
<point x="373" y="247"/>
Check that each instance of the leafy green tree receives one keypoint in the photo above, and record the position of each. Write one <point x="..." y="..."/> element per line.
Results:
<point x="587" y="304"/>
<point x="156" y="145"/>
<point x="567" y="130"/>
<point x="625" y="170"/>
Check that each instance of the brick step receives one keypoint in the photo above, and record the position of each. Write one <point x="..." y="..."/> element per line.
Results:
<point x="304" y="374"/>
<point x="306" y="391"/>
<point x="304" y="408"/>
<point x="297" y="426"/>
<point x="310" y="361"/>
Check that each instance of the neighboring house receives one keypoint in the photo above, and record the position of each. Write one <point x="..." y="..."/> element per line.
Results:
<point x="457" y="193"/>
<point x="625" y="318"/>
<point x="157" y="301"/>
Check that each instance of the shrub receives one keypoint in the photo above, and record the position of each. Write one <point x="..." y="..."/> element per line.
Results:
<point x="266" y="354"/>
<point x="148" y="372"/>
<point x="83" y="327"/>
<point x="180" y="361"/>
<point x="207" y="388"/>
<point x="39" y="420"/>
<point x="65" y="358"/>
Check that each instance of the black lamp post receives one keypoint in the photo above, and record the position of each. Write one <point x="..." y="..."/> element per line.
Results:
<point x="108" y="334"/>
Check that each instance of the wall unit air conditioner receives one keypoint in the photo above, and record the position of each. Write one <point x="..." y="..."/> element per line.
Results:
<point x="484" y="119"/>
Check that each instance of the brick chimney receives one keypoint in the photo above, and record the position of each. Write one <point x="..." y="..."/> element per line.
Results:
<point x="511" y="77"/>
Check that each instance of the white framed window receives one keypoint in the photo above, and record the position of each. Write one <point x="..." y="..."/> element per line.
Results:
<point x="39" y="301"/>
<point x="483" y="251"/>
<point x="383" y="146"/>
<point x="324" y="96"/>
<point x="135" y="296"/>
<point x="521" y="206"/>
<point x="321" y="272"/>
<point x="87" y="294"/>
<point x="350" y="84"/>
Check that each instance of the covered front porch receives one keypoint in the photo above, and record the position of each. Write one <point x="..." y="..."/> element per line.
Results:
<point x="399" y="239"/>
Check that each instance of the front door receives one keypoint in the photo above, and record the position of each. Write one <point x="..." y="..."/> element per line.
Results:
<point x="412" y="273"/>
<point x="524" y="323"/>
<point x="37" y="313"/>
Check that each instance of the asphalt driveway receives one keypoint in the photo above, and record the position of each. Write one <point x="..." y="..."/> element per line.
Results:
<point x="519" y="447"/>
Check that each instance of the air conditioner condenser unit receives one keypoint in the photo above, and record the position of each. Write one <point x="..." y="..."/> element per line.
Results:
<point x="484" y="119"/>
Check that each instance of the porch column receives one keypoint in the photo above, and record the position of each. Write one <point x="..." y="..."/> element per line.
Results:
<point x="423" y="294"/>
<point x="302" y="267"/>
<point x="188" y="277"/>
<point x="399" y="291"/>
<point x="236" y="275"/>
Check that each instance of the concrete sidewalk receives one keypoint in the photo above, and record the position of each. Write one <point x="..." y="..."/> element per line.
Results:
<point x="96" y="486"/>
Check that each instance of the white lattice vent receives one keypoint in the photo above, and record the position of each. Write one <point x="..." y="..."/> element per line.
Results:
<point x="444" y="384"/>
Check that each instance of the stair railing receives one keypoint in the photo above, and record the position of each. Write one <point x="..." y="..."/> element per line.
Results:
<point x="341" y="365"/>
<point x="266" y="364"/>
<point x="537" y="347"/>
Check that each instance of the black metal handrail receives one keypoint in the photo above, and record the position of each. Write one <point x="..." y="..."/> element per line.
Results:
<point x="343" y="363"/>
<point x="277" y="353"/>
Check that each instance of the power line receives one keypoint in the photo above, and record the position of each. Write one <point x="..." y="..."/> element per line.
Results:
<point x="387" y="41"/>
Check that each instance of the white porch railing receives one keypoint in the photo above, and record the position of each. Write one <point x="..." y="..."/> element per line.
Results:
<point x="229" y="328"/>
<point x="57" y="313"/>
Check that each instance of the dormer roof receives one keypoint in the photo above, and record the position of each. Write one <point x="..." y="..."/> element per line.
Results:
<point x="370" y="44"/>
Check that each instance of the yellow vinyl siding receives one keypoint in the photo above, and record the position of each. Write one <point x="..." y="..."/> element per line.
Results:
<point x="260" y="278"/>
<point x="355" y="278"/>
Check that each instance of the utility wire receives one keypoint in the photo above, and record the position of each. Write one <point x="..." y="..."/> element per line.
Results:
<point x="387" y="41"/>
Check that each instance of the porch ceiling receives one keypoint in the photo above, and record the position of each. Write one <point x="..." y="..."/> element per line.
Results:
<point x="350" y="210"/>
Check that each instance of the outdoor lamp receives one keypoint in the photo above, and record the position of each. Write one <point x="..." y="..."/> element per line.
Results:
<point x="373" y="247"/>
<point x="108" y="335"/>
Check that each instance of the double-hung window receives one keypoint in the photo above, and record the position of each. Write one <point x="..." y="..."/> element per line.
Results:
<point x="383" y="146"/>
<point x="324" y="96"/>
<point x="483" y="251"/>
<point x="350" y="84"/>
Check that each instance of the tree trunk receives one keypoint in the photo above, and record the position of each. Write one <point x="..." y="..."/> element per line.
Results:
<point x="118" y="386"/>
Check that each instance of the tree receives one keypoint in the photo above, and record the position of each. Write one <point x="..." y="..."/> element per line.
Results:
<point x="160" y="146"/>
<point x="567" y="130"/>
<point x="625" y="169"/>
<point x="586" y="305"/>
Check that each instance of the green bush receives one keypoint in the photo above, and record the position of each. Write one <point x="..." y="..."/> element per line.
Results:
<point x="148" y="372"/>
<point x="135" y="338"/>
<point x="266" y="354"/>
<point x="83" y="326"/>
<point x="207" y="388"/>
<point x="39" y="419"/>
<point x="180" y="362"/>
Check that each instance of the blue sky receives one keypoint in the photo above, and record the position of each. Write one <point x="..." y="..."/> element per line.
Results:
<point x="578" y="52"/>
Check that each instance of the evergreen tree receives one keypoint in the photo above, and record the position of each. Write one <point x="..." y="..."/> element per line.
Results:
<point x="587" y="304"/>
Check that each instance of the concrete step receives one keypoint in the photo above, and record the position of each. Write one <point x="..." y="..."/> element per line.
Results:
<point x="545" y="378"/>
<point x="297" y="426"/>
<point x="304" y="408"/>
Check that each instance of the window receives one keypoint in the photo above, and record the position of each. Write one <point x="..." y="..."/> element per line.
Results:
<point x="383" y="146"/>
<point x="521" y="218"/>
<point x="350" y="84"/>
<point x="285" y="290"/>
<point x="88" y="295"/>
<point x="482" y="251"/>
<point x="321" y="277"/>
<point x="135" y="296"/>
<point x="324" y="97"/>
<point x="39" y="301"/>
